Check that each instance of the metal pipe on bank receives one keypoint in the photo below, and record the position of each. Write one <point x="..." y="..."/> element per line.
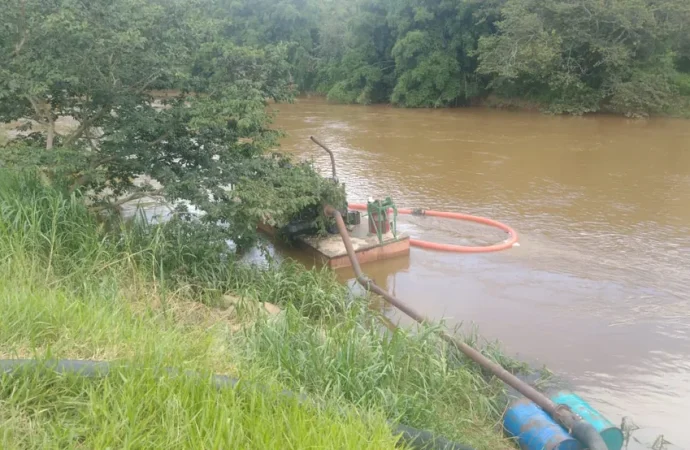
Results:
<point x="562" y="414"/>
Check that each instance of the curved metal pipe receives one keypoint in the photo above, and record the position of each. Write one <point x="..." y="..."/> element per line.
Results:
<point x="409" y="436"/>
<point x="330" y="153"/>
<point x="581" y="430"/>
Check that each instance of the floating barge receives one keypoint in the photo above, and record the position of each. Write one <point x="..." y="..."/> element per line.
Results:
<point x="331" y="251"/>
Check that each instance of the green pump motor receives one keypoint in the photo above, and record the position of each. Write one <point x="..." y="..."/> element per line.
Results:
<point x="379" y="222"/>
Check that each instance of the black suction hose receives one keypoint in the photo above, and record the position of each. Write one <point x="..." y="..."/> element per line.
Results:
<point x="425" y="440"/>
<point x="412" y="437"/>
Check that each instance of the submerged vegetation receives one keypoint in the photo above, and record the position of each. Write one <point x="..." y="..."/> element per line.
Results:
<point x="74" y="286"/>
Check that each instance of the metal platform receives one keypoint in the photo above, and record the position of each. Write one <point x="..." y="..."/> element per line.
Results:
<point x="330" y="250"/>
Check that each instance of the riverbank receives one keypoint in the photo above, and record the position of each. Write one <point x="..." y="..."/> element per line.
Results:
<point x="513" y="104"/>
<point x="72" y="286"/>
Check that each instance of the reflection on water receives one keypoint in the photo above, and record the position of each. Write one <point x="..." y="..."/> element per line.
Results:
<point x="598" y="289"/>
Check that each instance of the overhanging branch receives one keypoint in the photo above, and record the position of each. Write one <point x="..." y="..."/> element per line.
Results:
<point x="25" y="35"/>
<point x="85" y="125"/>
<point x="130" y="198"/>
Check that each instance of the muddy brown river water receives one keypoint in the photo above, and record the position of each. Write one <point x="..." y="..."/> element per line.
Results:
<point x="598" y="291"/>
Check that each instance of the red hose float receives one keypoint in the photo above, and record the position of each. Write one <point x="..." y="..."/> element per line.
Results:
<point x="509" y="243"/>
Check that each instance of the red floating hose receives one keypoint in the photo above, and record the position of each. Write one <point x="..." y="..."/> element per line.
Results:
<point x="509" y="243"/>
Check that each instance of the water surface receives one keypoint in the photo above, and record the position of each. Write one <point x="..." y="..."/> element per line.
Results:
<point x="598" y="289"/>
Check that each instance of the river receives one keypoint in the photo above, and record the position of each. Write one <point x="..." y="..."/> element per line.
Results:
<point x="597" y="291"/>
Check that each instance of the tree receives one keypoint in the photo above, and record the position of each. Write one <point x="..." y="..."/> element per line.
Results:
<point x="364" y="72"/>
<point x="96" y="62"/>
<point x="415" y="53"/>
<point x="433" y="52"/>
<point x="624" y="56"/>
<point x="260" y="23"/>
<point x="579" y="57"/>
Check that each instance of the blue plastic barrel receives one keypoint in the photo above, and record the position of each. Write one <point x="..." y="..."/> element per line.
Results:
<point x="535" y="430"/>
<point x="612" y="436"/>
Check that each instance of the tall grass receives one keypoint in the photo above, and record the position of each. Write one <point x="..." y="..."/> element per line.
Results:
<point x="73" y="285"/>
<point x="71" y="289"/>
<point x="410" y="374"/>
<point x="138" y="409"/>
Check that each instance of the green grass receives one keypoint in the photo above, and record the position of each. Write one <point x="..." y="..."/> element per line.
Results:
<point x="67" y="291"/>
<point x="137" y="409"/>
<point x="412" y="376"/>
<point x="73" y="286"/>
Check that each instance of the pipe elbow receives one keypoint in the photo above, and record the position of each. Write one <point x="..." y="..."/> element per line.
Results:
<point x="588" y="436"/>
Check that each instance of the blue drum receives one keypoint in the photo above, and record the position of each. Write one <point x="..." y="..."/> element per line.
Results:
<point x="535" y="429"/>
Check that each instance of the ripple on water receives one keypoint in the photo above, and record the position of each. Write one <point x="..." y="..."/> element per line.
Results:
<point x="599" y="288"/>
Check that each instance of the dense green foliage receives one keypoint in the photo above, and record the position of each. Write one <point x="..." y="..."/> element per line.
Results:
<point x="76" y="80"/>
<point x="260" y="23"/>
<point x="620" y="56"/>
<point x="134" y="408"/>
<point x="624" y="56"/>
<point x="151" y="297"/>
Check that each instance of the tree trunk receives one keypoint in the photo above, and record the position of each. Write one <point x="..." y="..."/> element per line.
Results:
<point x="50" y="138"/>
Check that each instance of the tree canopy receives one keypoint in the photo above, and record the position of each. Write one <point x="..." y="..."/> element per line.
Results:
<point x="95" y="63"/>
<point x="622" y="56"/>
<point x="591" y="55"/>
